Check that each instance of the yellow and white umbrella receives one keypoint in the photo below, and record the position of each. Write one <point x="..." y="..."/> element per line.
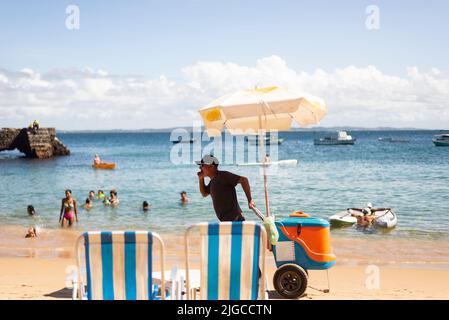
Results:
<point x="260" y="110"/>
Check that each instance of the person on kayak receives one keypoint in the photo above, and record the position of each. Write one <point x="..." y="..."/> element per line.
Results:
<point x="222" y="189"/>
<point x="97" y="159"/>
<point x="367" y="216"/>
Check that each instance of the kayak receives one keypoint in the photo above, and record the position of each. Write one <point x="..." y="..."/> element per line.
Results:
<point x="343" y="219"/>
<point x="292" y="162"/>
<point x="382" y="218"/>
<point x="104" y="166"/>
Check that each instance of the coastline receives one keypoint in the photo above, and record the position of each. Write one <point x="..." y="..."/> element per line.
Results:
<point x="409" y="269"/>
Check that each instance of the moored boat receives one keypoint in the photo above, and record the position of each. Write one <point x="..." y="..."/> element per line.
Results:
<point x="441" y="140"/>
<point x="268" y="140"/>
<point x="383" y="218"/>
<point x="338" y="138"/>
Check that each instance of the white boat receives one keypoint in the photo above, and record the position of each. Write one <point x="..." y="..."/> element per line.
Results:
<point x="342" y="219"/>
<point x="338" y="138"/>
<point x="292" y="162"/>
<point x="441" y="140"/>
<point x="383" y="218"/>
<point x="254" y="140"/>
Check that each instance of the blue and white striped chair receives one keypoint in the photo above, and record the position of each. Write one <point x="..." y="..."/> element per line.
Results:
<point x="231" y="255"/>
<point x="119" y="265"/>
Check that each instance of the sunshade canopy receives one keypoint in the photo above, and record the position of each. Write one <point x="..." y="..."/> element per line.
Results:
<point x="270" y="108"/>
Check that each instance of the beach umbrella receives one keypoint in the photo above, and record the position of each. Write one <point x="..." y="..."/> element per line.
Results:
<point x="260" y="110"/>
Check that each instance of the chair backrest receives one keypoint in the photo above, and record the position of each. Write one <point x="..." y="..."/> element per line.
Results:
<point x="119" y="264"/>
<point x="230" y="260"/>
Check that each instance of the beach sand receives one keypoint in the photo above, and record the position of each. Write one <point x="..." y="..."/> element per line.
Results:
<point x="36" y="269"/>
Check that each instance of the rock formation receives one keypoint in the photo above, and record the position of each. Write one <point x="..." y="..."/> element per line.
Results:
<point x="41" y="143"/>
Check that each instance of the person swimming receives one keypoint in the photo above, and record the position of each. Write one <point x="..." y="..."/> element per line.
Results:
<point x="145" y="206"/>
<point x="113" y="199"/>
<point x="366" y="217"/>
<point x="100" y="195"/>
<point x="69" y="210"/>
<point x="31" y="211"/>
<point x="184" y="199"/>
<point x="106" y="201"/>
<point x="91" y="195"/>
<point x="32" y="233"/>
<point x="88" y="204"/>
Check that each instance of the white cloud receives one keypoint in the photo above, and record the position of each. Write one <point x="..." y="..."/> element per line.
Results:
<point x="88" y="98"/>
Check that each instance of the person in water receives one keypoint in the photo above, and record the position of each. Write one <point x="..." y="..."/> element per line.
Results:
<point x="69" y="210"/>
<point x="100" y="195"/>
<point x="145" y="206"/>
<point x="32" y="233"/>
<point x="31" y="211"/>
<point x="97" y="159"/>
<point x="113" y="199"/>
<point x="88" y="204"/>
<point x="222" y="189"/>
<point x="106" y="201"/>
<point x="366" y="217"/>
<point x="184" y="199"/>
<point x="91" y="195"/>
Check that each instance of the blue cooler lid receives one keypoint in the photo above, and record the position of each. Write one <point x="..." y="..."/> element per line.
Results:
<point x="305" y="222"/>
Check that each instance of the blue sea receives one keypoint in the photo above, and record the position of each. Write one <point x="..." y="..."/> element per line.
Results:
<point x="412" y="178"/>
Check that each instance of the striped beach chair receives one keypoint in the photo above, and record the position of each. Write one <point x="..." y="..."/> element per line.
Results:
<point x="232" y="261"/>
<point x="119" y="265"/>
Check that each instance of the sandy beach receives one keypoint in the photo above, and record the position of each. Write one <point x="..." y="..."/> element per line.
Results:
<point x="40" y="271"/>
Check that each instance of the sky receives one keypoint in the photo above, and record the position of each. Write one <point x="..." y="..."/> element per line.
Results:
<point x="153" y="64"/>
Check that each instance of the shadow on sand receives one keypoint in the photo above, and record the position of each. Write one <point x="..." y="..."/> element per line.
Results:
<point x="64" y="293"/>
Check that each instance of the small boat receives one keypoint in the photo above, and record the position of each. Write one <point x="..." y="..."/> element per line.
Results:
<point x="394" y="140"/>
<point x="292" y="162"/>
<point x="441" y="140"/>
<point x="104" y="165"/>
<point x="338" y="138"/>
<point x="342" y="219"/>
<point x="383" y="218"/>
<point x="268" y="140"/>
<point x="184" y="141"/>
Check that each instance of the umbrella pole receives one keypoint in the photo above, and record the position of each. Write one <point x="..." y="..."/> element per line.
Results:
<point x="265" y="180"/>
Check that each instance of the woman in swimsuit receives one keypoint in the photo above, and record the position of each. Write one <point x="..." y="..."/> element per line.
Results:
<point x="69" y="209"/>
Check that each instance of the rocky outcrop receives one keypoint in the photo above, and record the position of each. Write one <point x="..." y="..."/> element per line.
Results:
<point x="41" y="143"/>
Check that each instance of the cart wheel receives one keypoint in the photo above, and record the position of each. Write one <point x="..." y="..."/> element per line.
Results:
<point x="290" y="281"/>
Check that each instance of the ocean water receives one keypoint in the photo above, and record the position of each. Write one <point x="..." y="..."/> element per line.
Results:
<point x="412" y="178"/>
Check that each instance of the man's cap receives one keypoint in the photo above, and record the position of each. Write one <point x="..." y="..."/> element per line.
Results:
<point x="207" y="159"/>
